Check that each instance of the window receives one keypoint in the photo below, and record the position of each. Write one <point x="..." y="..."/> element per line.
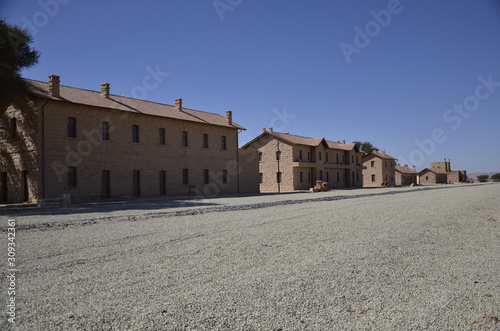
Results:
<point x="104" y="130"/>
<point x="300" y="155"/>
<point x="71" y="127"/>
<point x="301" y="177"/>
<point x="326" y="157"/>
<point x="372" y="164"/>
<point x="278" y="177"/>
<point x="163" y="182"/>
<point x="321" y="175"/>
<point x="373" y="178"/>
<point x="426" y="177"/>
<point x="135" y="133"/>
<point x="338" y="177"/>
<point x="385" y="163"/>
<point x="224" y="176"/>
<point x="13" y="127"/>
<point x="184" y="139"/>
<point x="206" y="176"/>
<point x="327" y="176"/>
<point x="71" y="177"/>
<point x="319" y="156"/>
<point x="260" y="156"/>
<point x="308" y="156"/>
<point x="278" y="155"/>
<point x="261" y="177"/>
<point x="205" y="140"/>
<point x="223" y="144"/>
<point x="309" y="176"/>
<point x="357" y="160"/>
<point x="357" y="176"/>
<point x="136" y="183"/>
<point x="185" y="176"/>
<point x="161" y="136"/>
<point x="337" y="157"/>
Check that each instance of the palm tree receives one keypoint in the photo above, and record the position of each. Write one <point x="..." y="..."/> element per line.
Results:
<point x="15" y="55"/>
<point x="366" y="146"/>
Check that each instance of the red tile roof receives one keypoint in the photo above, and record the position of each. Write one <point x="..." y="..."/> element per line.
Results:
<point x="301" y="140"/>
<point x="380" y="155"/>
<point x="127" y="104"/>
<point x="405" y="170"/>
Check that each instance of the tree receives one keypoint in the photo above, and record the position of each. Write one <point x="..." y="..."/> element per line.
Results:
<point x="483" y="178"/>
<point x="496" y="177"/>
<point x="16" y="54"/>
<point x="366" y="146"/>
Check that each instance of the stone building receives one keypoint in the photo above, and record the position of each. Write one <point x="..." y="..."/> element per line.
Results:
<point x="405" y="175"/>
<point x="441" y="173"/>
<point x="432" y="176"/>
<point x="95" y="145"/>
<point x="453" y="176"/>
<point x="379" y="169"/>
<point x="289" y="162"/>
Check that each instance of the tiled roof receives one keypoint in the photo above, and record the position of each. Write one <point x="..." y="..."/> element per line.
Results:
<point x="298" y="140"/>
<point x="433" y="170"/>
<point x="301" y="140"/>
<point x="405" y="170"/>
<point x="127" y="104"/>
<point x="382" y="156"/>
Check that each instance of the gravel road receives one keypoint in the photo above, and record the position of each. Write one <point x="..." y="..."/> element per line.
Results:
<point x="368" y="259"/>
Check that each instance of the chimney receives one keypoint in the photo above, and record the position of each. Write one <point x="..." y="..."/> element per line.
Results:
<point x="343" y="141"/>
<point x="383" y="152"/>
<point x="229" y="117"/>
<point x="406" y="166"/>
<point x="286" y="132"/>
<point x="414" y="168"/>
<point x="264" y="130"/>
<point x="105" y="90"/>
<point x="178" y="104"/>
<point x="271" y="129"/>
<point x="54" y="86"/>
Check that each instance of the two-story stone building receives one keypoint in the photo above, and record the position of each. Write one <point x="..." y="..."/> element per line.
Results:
<point x="379" y="169"/>
<point x="95" y="145"/>
<point x="289" y="162"/>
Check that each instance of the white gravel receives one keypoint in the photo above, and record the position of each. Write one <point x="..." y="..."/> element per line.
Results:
<point x="370" y="259"/>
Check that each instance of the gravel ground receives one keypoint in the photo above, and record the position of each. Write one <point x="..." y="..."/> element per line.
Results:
<point x="378" y="259"/>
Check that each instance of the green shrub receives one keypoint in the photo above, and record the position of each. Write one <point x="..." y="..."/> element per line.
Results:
<point x="483" y="178"/>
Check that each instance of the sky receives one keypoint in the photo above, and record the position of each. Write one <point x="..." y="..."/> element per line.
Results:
<point x="417" y="78"/>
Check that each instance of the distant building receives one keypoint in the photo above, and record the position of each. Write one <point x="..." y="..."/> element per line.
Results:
<point x="456" y="176"/>
<point x="405" y="175"/>
<point x="95" y="145"/>
<point x="432" y="176"/>
<point x="379" y="169"/>
<point x="289" y="162"/>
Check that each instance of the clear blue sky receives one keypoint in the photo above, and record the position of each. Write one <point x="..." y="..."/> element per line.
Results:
<point x="414" y="81"/>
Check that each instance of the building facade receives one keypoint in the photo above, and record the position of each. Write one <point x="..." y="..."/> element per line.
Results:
<point x="453" y="176"/>
<point x="406" y="175"/>
<point x="289" y="162"/>
<point x="432" y="176"/>
<point x="379" y="169"/>
<point x="94" y="145"/>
